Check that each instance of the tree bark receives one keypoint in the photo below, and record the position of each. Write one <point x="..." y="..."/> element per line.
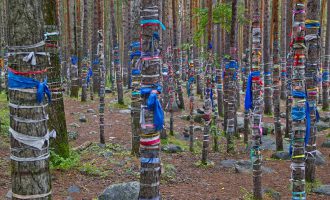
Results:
<point x="283" y="48"/>
<point x="85" y="59"/>
<point x="29" y="165"/>
<point x="313" y="56"/>
<point x="326" y="65"/>
<point x="298" y="86"/>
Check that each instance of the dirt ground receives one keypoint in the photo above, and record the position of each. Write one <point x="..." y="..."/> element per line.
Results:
<point x="187" y="182"/>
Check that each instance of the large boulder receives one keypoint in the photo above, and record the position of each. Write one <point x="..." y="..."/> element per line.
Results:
<point x="121" y="191"/>
<point x="171" y="148"/>
<point x="321" y="125"/>
<point x="281" y="155"/>
<point x="323" y="190"/>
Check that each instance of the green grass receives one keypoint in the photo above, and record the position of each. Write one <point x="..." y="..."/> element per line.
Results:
<point x="312" y="185"/>
<point x="172" y="140"/>
<point x="4" y="115"/>
<point x="169" y="172"/>
<point x="91" y="169"/>
<point x="209" y="164"/>
<point x="116" y="105"/>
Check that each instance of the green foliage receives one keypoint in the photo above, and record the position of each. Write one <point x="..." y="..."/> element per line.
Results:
<point x="221" y="14"/>
<point x="60" y="163"/>
<point x="169" y="172"/>
<point x="200" y="164"/>
<point x="92" y="170"/>
<point x="312" y="185"/>
<point x="4" y="115"/>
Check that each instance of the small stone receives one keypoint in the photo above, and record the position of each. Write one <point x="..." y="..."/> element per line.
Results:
<point x="82" y="118"/>
<point x="324" y="190"/>
<point x="321" y="125"/>
<point x="92" y="133"/>
<point x="101" y="145"/>
<point x="74" y="189"/>
<point x="171" y="148"/>
<point x="107" y="154"/>
<point x="73" y="135"/>
<point x="90" y="110"/>
<point x="319" y="158"/>
<point x="185" y="117"/>
<point x="281" y="155"/>
<point x="283" y="115"/>
<point x="200" y="111"/>
<point x="74" y="125"/>
<point x="198" y="128"/>
<point x="228" y="163"/>
<point x="9" y="194"/>
<point x="325" y="117"/>
<point x="125" y="111"/>
<point x="108" y="91"/>
<point x="326" y="144"/>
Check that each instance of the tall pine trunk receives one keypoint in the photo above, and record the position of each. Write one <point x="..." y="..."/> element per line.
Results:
<point x="116" y="54"/>
<point x="84" y="59"/>
<point x="257" y="102"/>
<point x="298" y="105"/>
<point x="150" y="72"/>
<point x="28" y="117"/>
<point x="283" y="47"/>
<point x="313" y="58"/>
<point x="326" y="65"/>
<point x="276" y="76"/>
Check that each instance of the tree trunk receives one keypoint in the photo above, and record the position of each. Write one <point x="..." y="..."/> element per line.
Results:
<point x="74" y="71"/>
<point x="313" y="41"/>
<point x="95" y="85"/>
<point x="257" y="103"/>
<point x="283" y="48"/>
<point x="326" y="65"/>
<point x="136" y="79"/>
<point x="29" y="164"/>
<point x="267" y="60"/>
<point x="150" y="139"/>
<point x="276" y="77"/>
<point x="298" y="87"/>
<point x="116" y="54"/>
<point x="85" y="59"/>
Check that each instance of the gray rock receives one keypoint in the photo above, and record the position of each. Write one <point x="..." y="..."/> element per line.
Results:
<point x="324" y="190"/>
<point x="267" y="128"/>
<point x="108" y="90"/>
<point x="198" y="118"/>
<point x="107" y="154"/>
<point x="171" y="148"/>
<point x="73" y="189"/>
<point x="126" y="111"/>
<point x="245" y="166"/>
<point x="9" y="194"/>
<point x="92" y="133"/>
<point x="122" y="191"/>
<point x="321" y="125"/>
<point x="240" y="124"/>
<point x="326" y="144"/>
<point x="325" y="117"/>
<point x="90" y="110"/>
<point x="69" y="198"/>
<point x="283" y="115"/>
<point x="281" y="155"/>
<point x="83" y="118"/>
<point x="198" y="128"/>
<point x="73" y="135"/>
<point x="74" y="125"/>
<point x="228" y="163"/>
<point x="185" y="117"/>
<point x="272" y="193"/>
<point x="101" y="145"/>
<point x="269" y="143"/>
<point x="320" y="159"/>
<point x="200" y="111"/>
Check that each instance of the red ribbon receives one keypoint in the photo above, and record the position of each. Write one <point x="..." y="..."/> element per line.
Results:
<point x="27" y="73"/>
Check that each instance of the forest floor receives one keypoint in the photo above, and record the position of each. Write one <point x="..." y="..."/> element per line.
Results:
<point x="95" y="168"/>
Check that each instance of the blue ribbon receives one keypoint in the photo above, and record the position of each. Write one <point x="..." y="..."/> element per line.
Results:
<point x="136" y="72"/>
<point x="89" y="75"/>
<point x="325" y="76"/>
<point x="248" y="93"/>
<point x="156" y="36"/>
<point x="74" y="60"/>
<point x="154" y="21"/>
<point x="135" y="45"/>
<point x="150" y="160"/>
<point x="135" y="54"/>
<point x="96" y="61"/>
<point x="189" y="82"/>
<point x="21" y="82"/>
<point x="298" y="94"/>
